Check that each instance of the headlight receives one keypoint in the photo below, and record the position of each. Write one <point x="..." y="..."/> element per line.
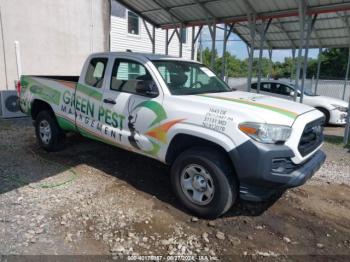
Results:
<point x="266" y="133"/>
<point x="340" y="108"/>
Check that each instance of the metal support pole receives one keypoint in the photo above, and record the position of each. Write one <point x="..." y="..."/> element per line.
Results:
<point x="180" y="40"/>
<point x="251" y="52"/>
<point x="166" y="41"/>
<point x="154" y="40"/>
<point x="270" y="63"/>
<point x="292" y="66"/>
<point x="223" y="66"/>
<point x="346" y="75"/>
<point x="302" y="14"/>
<point x="311" y="22"/>
<point x="152" y="37"/>
<point x="213" y="38"/>
<point x="259" y="63"/>
<point x="318" y="69"/>
<point x="18" y="60"/>
<point x="262" y="32"/>
<point x="4" y="50"/>
<point x="201" y="48"/>
<point x="195" y="36"/>
<point x="193" y="41"/>
<point x="347" y="127"/>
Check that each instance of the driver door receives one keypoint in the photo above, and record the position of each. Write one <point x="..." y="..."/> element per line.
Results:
<point x="132" y="112"/>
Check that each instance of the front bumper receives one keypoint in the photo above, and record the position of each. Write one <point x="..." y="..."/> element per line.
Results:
<point x="337" y="117"/>
<point x="264" y="169"/>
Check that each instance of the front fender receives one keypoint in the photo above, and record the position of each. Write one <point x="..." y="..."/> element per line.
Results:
<point x="213" y="136"/>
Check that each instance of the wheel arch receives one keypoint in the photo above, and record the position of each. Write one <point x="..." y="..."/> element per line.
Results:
<point x="39" y="105"/>
<point x="184" y="141"/>
<point x="325" y="111"/>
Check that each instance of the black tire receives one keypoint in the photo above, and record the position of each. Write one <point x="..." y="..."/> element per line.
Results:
<point x="55" y="141"/>
<point x="223" y="177"/>
<point x="326" y="114"/>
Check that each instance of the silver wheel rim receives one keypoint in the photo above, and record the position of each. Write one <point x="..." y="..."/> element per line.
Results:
<point x="45" y="132"/>
<point x="197" y="184"/>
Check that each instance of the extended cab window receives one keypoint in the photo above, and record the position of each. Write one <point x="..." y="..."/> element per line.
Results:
<point x="127" y="75"/>
<point x="95" y="72"/>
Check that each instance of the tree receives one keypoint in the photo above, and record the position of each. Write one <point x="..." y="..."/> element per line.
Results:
<point x="334" y="62"/>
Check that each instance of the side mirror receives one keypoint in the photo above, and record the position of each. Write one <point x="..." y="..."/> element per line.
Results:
<point x="147" y="88"/>
<point x="292" y="94"/>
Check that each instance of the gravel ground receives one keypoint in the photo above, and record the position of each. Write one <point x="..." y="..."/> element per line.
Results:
<point x="337" y="166"/>
<point x="92" y="199"/>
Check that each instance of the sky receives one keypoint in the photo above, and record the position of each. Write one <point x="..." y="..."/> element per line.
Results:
<point x="238" y="48"/>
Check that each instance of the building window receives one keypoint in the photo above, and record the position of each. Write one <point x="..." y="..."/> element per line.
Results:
<point x="183" y="34"/>
<point x="133" y="23"/>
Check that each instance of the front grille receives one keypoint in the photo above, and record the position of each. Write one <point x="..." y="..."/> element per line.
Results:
<point x="312" y="136"/>
<point x="283" y="166"/>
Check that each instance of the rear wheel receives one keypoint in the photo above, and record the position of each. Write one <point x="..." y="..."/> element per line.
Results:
<point x="49" y="134"/>
<point x="204" y="182"/>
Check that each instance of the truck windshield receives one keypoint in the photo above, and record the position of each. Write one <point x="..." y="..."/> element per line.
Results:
<point x="188" y="78"/>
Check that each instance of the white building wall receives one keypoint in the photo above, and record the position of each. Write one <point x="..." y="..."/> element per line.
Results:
<point x="121" y="40"/>
<point x="55" y="36"/>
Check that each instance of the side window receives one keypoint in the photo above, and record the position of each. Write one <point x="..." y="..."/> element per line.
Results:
<point x="133" y="23"/>
<point x="274" y="88"/>
<point x="266" y="87"/>
<point x="95" y="72"/>
<point x="183" y="34"/>
<point x="283" y="89"/>
<point x="128" y="75"/>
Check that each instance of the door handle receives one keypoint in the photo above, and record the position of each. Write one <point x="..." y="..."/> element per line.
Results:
<point x="109" y="101"/>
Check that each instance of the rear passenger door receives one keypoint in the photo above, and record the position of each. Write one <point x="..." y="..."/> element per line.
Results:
<point x="134" y="103"/>
<point x="88" y="97"/>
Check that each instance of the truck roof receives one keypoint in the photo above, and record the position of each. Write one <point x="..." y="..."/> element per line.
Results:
<point x="148" y="56"/>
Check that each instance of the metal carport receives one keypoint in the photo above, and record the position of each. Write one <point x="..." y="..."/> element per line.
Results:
<point x="263" y="24"/>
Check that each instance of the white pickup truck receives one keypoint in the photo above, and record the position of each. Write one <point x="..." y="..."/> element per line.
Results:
<point x="221" y="144"/>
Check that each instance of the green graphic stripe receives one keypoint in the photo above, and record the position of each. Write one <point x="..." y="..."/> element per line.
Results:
<point x="65" y="124"/>
<point x="46" y="93"/>
<point x="157" y="109"/>
<point x="154" y="151"/>
<point x="89" y="92"/>
<point x="259" y="105"/>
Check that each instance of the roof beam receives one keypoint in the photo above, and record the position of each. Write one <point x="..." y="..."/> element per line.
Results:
<point x="287" y="33"/>
<point x="169" y="12"/>
<point x="296" y="31"/>
<point x="331" y="8"/>
<point x="126" y="4"/>
<point x="174" y="7"/>
<point x="250" y="10"/>
<point x="205" y="9"/>
<point x="345" y="19"/>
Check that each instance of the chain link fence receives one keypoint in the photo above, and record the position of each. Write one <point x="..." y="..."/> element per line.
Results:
<point x="331" y="88"/>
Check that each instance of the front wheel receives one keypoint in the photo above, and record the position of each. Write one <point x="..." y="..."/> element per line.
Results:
<point x="48" y="132"/>
<point x="204" y="182"/>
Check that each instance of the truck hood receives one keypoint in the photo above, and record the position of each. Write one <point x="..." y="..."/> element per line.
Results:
<point x="271" y="109"/>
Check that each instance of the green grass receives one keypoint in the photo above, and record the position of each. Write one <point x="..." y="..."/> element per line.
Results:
<point x="335" y="140"/>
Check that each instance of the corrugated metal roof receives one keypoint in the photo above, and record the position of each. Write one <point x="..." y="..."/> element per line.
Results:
<point x="330" y="29"/>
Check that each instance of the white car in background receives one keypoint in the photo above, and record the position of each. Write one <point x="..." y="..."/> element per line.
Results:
<point x="334" y="109"/>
